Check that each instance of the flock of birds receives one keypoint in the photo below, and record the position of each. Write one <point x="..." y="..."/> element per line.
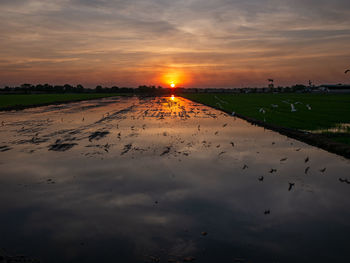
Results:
<point x="128" y="147"/>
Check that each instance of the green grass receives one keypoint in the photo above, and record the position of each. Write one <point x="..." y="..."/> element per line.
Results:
<point x="7" y="101"/>
<point x="327" y="110"/>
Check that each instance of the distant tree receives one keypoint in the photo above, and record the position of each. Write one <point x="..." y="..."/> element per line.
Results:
<point x="114" y="89"/>
<point x="99" y="89"/>
<point x="80" y="88"/>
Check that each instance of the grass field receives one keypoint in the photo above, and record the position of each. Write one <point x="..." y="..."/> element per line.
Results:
<point x="318" y="113"/>
<point x="13" y="101"/>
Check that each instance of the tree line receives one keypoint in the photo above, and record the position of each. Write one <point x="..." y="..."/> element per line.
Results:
<point x="67" y="88"/>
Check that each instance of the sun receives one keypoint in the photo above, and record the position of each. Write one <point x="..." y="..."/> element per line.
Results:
<point x="172" y="85"/>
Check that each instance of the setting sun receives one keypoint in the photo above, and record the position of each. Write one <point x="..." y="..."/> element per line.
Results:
<point x="172" y="85"/>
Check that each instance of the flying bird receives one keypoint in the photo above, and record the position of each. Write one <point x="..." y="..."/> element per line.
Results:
<point x="307" y="159"/>
<point x="347" y="71"/>
<point x="307" y="169"/>
<point x="283" y="159"/>
<point x="245" y="167"/>
<point x="272" y="171"/>
<point x="233" y="144"/>
<point x="267" y="212"/>
<point x="323" y="170"/>
<point x="291" y="186"/>
<point x="261" y="178"/>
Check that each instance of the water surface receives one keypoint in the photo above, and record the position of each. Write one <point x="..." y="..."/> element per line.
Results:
<point x="165" y="180"/>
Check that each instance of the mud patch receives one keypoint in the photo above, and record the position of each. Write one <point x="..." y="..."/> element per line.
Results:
<point x="98" y="135"/>
<point x="4" y="257"/>
<point x="166" y="151"/>
<point x="61" y="146"/>
<point x="126" y="149"/>
<point x="5" y="148"/>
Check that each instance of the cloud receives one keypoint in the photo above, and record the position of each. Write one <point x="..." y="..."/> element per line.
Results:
<point x="197" y="36"/>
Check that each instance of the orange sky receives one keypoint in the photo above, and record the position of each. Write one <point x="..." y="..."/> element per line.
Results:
<point x="195" y="43"/>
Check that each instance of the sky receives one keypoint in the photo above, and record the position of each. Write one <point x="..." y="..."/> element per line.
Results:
<point x="194" y="43"/>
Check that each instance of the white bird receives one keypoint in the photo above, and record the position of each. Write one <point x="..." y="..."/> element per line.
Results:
<point x="262" y="110"/>
<point x="308" y="106"/>
<point x="274" y="105"/>
<point x="293" y="109"/>
<point x="298" y="102"/>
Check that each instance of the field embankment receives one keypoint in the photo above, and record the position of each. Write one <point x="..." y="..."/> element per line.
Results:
<point x="322" y="120"/>
<point x="19" y="102"/>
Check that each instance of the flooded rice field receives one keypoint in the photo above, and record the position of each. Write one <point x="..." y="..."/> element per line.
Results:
<point x="165" y="180"/>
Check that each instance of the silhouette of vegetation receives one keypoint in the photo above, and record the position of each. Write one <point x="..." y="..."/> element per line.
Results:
<point x="67" y="88"/>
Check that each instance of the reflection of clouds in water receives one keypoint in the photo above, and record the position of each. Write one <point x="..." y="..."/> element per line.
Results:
<point x="161" y="203"/>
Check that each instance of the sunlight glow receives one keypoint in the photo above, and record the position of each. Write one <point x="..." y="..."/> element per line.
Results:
<point x="172" y="97"/>
<point x="173" y="78"/>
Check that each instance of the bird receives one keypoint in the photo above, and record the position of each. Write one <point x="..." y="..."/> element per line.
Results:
<point x="323" y="170"/>
<point x="308" y="106"/>
<point x="284" y="159"/>
<point x="224" y="125"/>
<point x="293" y="109"/>
<point x="307" y="159"/>
<point x="261" y="178"/>
<point x="199" y="127"/>
<point x="291" y="186"/>
<point x="347" y="71"/>
<point x="298" y="149"/>
<point x="216" y="133"/>
<point x="272" y="171"/>
<point x="267" y="212"/>
<point x="307" y="169"/>
<point x="245" y="167"/>
<point x="342" y="180"/>
<point x="233" y="144"/>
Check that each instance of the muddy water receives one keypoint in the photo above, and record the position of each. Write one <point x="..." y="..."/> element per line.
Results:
<point x="165" y="180"/>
